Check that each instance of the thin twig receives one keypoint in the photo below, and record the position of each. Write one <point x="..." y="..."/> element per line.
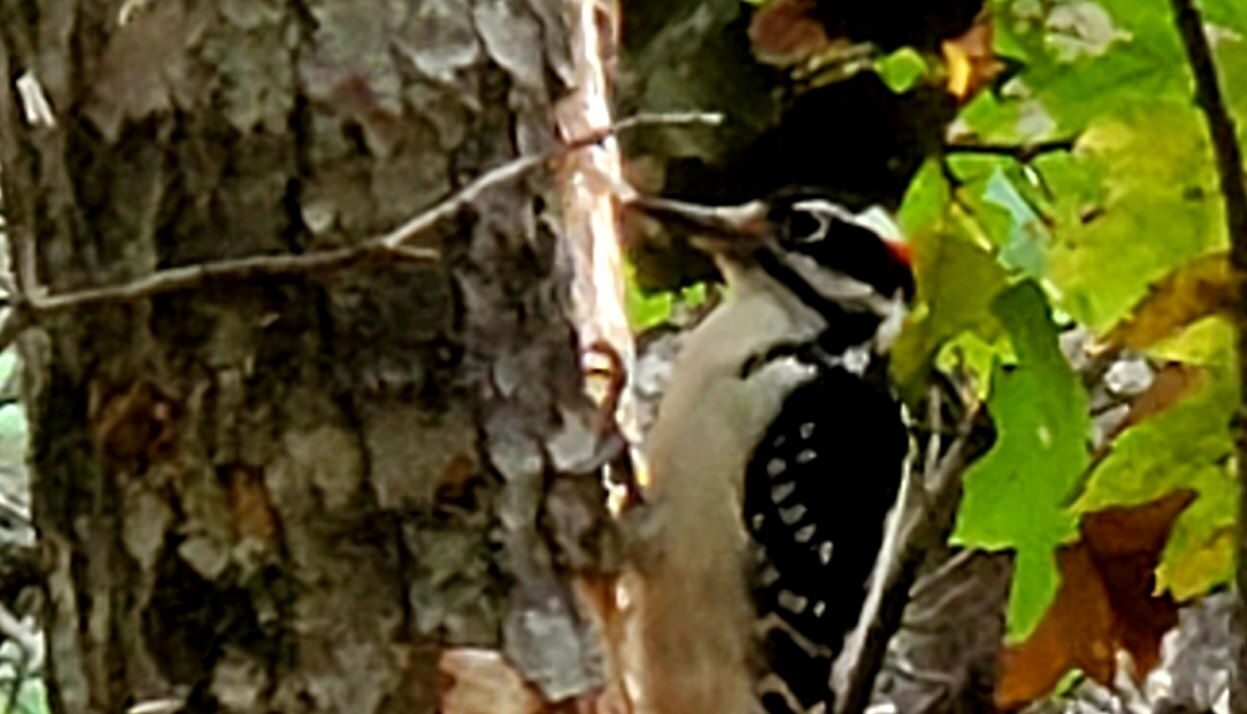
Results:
<point x="1021" y="152"/>
<point x="516" y="169"/>
<point x="641" y="119"/>
<point x="935" y="422"/>
<point x="941" y="574"/>
<point x="1230" y="169"/>
<point x="860" y="661"/>
<point x="30" y="308"/>
<point x="1220" y="126"/>
<point x="250" y="268"/>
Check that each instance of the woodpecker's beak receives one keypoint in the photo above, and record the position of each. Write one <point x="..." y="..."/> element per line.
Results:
<point x="718" y="230"/>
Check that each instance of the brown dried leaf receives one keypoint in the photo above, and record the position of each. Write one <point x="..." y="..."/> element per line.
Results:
<point x="1201" y="288"/>
<point x="1106" y="603"/>
<point x="1126" y="544"/>
<point x="970" y="59"/>
<point x="783" y="33"/>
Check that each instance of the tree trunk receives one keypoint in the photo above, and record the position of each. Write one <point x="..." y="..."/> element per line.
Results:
<point x="287" y="495"/>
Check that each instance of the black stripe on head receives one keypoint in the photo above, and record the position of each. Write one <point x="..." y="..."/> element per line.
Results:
<point x="851" y="327"/>
<point x="829" y="235"/>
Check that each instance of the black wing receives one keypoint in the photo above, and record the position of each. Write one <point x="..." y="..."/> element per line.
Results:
<point x="817" y="491"/>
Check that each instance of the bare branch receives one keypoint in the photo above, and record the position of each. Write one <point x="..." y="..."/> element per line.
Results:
<point x="1229" y="157"/>
<point x="196" y="276"/>
<point x="1023" y="153"/>
<point x="1220" y="125"/>
<point x="920" y="528"/>
<point x="31" y="305"/>
<point x="642" y="119"/>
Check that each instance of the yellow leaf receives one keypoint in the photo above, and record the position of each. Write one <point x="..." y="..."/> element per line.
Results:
<point x="1201" y="288"/>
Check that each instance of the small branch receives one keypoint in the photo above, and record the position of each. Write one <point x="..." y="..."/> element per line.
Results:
<point x="642" y="119"/>
<point x="946" y="570"/>
<point x="31" y="309"/>
<point x="197" y="276"/>
<point x="1220" y="126"/>
<point x="1022" y="152"/>
<point x="1230" y="169"/>
<point x="31" y="306"/>
<point x="860" y="661"/>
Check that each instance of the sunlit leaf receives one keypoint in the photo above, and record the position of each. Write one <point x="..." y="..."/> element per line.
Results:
<point x="1016" y="495"/>
<point x="902" y="69"/>
<point x="1188" y="446"/>
<point x="1196" y="290"/>
<point x="1161" y="209"/>
<point x="653" y="308"/>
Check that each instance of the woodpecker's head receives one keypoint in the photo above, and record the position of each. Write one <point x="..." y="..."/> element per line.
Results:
<point x="838" y="263"/>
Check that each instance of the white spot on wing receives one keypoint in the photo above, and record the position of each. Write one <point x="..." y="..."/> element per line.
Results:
<point x="824" y="551"/>
<point x="805" y="456"/>
<point x="792" y="601"/>
<point x="775" y="467"/>
<point x="806" y="533"/>
<point x="782" y="491"/>
<point x="807" y="430"/>
<point x="791" y="515"/>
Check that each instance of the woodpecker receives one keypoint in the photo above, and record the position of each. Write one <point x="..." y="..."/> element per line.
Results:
<point x="775" y="457"/>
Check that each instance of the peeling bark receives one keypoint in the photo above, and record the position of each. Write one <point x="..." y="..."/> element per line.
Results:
<point x="289" y="496"/>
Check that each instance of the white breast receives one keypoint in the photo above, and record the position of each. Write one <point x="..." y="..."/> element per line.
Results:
<point x="695" y="610"/>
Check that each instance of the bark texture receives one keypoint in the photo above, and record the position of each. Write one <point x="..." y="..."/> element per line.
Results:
<point x="287" y="496"/>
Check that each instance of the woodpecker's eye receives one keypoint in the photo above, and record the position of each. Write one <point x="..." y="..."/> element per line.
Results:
<point x="804" y="227"/>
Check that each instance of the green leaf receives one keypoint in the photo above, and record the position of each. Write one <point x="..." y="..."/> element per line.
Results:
<point x="926" y="202"/>
<point x="650" y="309"/>
<point x="1135" y="199"/>
<point x="1187" y="446"/>
<point x="1138" y="195"/>
<point x="1001" y="194"/>
<point x="1161" y="209"/>
<point x="972" y="355"/>
<point x="902" y="69"/>
<point x="1016" y="496"/>
<point x="957" y="281"/>
<point x="1083" y="59"/>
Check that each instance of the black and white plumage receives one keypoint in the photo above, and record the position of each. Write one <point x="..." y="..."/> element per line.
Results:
<point x="776" y="456"/>
<point x="817" y="489"/>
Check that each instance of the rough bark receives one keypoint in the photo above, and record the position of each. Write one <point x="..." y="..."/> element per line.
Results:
<point x="288" y="495"/>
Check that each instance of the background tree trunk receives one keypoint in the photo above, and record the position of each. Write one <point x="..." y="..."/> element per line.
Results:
<point x="287" y="495"/>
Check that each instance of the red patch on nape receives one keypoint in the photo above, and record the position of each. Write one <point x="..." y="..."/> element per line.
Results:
<point x="900" y="251"/>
